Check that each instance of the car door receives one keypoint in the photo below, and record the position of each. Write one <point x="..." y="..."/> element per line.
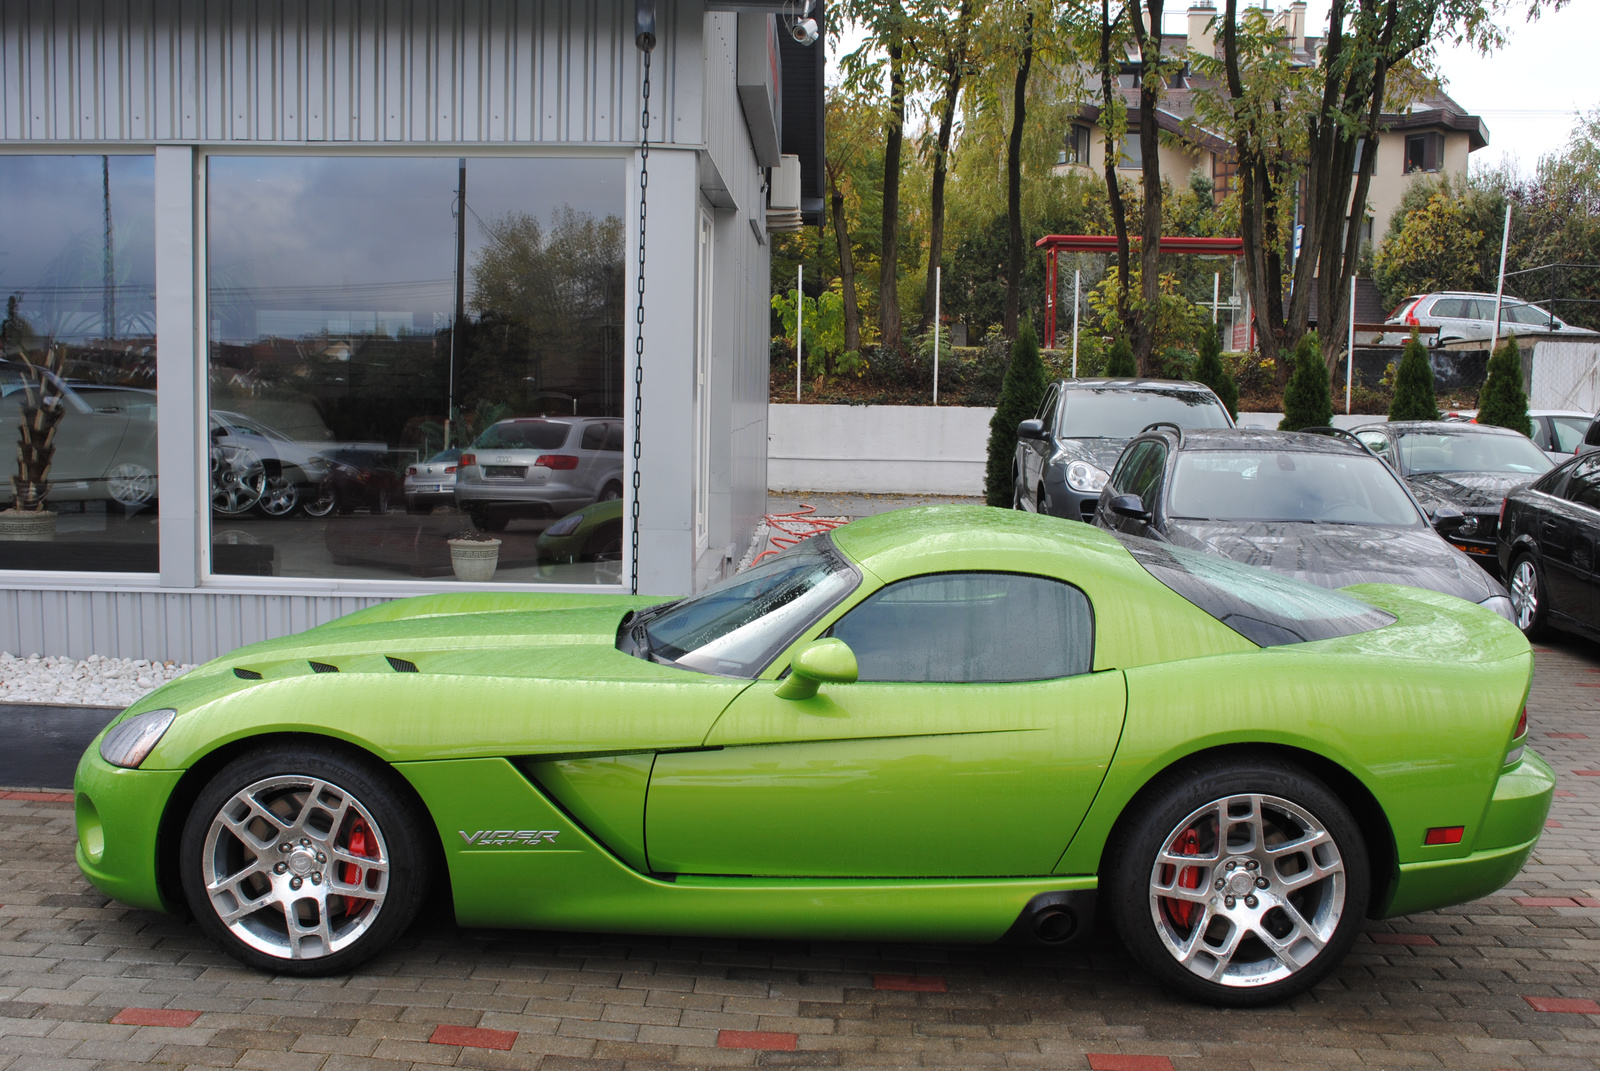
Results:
<point x="972" y="745"/>
<point x="1566" y="535"/>
<point x="1141" y="470"/>
<point x="1034" y="453"/>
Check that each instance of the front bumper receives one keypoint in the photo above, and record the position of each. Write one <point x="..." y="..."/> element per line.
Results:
<point x="1505" y="837"/>
<point x="118" y="816"/>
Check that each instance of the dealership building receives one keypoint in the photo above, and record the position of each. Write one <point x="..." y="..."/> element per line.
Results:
<point x="305" y="267"/>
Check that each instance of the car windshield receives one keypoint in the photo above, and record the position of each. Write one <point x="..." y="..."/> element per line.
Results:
<point x="1265" y="608"/>
<point x="1094" y="413"/>
<point x="1470" y="451"/>
<point x="1263" y="485"/>
<point x="735" y="628"/>
<point x="524" y="435"/>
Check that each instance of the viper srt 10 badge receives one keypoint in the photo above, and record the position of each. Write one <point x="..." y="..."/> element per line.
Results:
<point x="509" y="838"/>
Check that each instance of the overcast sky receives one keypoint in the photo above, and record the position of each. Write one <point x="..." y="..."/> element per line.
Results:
<point x="1527" y="93"/>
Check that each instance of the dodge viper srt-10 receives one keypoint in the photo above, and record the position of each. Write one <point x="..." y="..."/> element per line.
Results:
<point x="950" y="724"/>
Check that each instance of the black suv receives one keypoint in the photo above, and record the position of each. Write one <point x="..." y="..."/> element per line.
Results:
<point x="1318" y="507"/>
<point x="1066" y="451"/>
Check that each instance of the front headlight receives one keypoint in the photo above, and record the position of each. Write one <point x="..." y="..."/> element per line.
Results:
<point x="1085" y="478"/>
<point x="1468" y="526"/>
<point x="128" y="743"/>
<point x="565" y="526"/>
<point x="1502" y="606"/>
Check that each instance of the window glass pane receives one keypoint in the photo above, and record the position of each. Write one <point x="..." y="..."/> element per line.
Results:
<point x="77" y="273"/>
<point x="1121" y="414"/>
<point x="1584" y="485"/>
<point x="962" y="628"/>
<point x="1568" y="432"/>
<point x="1290" y="486"/>
<point x="1470" y="451"/>
<point x="340" y="362"/>
<point x="1528" y="314"/>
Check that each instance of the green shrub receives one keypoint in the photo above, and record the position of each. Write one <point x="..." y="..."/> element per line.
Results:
<point x="1413" y="385"/>
<point x="1020" y="394"/>
<point x="1120" y="363"/>
<point x="1208" y="368"/>
<point x="1502" y="402"/>
<point x="1306" y="400"/>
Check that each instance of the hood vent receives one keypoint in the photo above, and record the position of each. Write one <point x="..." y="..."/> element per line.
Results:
<point x="246" y="674"/>
<point x="400" y="665"/>
<point x="323" y="667"/>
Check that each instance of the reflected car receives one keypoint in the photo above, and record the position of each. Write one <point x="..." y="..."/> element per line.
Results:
<point x="1066" y="450"/>
<point x="1460" y="473"/>
<point x="257" y="467"/>
<point x="593" y="534"/>
<point x="861" y="738"/>
<point x="1319" y="508"/>
<point x="432" y="482"/>
<point x="1547" y="539"/>
<point x="360" y="478"/>
<point x="539" y="467"/>
<point x="105" y="447"/>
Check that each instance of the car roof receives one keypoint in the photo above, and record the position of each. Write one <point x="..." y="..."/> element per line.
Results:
<point x="1446" y="427"/>
<point x="1561" y="412"/>
<point x="1099" y="384"/>
<point x="1262" y="439"/>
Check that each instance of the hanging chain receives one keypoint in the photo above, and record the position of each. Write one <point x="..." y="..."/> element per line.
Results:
<point x="638" y="316"/>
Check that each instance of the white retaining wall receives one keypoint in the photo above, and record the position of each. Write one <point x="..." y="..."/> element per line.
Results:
<point x="898" y="449"/>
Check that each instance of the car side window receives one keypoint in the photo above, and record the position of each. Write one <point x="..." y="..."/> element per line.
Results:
<point x="971" y="628"/>
<point x="1583" y="486"/>
<point x="1376" y="441"/>
<point x="1145" y="480"/>
<point x="1565" y="434"/>
<point x="594" y="437"/>
<point x="1448" y="308"/>
<point x="1047" y="407"/>
<point x="1128" y="464"/>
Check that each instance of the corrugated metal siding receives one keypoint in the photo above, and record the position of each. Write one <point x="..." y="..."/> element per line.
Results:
<point x="359" y="71"/>
<point x="182" y="625"/>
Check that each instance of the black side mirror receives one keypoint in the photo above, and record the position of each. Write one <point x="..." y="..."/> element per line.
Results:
<point x="1446" y="517"/>
<point x="1030" y="429"/>
<point x="1129" y="506"/>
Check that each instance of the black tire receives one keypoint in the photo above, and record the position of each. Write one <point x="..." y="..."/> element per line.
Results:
<point x="610" y="492"/>
<point x="380" y="502"/>
<point x="485" y="519"/>
<point x="604" y="543"/>
<point x="397" y="833"/>
<point x="1525" y="579"/>
<point x="413" y="505"/>
<point x="1290" y="803"/>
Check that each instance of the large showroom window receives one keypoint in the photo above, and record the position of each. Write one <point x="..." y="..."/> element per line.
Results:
<point x="401" y="375"/>
<point x="78" y="349"/>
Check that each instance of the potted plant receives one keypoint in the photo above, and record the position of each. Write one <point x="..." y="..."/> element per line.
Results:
<point x="474" y="556"/>
<point x="42" y="410"/>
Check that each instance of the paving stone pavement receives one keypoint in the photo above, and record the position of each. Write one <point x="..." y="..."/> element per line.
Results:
<point x="88" y="984"/>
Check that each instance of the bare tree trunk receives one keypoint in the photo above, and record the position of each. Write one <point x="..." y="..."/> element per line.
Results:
<point x="1019" y="112"/>
<point x="1150" y="166"/>
<point x="889" y="330"/>
<point x="955" y="68"/>
<point x="847" y="266"/>
<point x="1119" y="210"/>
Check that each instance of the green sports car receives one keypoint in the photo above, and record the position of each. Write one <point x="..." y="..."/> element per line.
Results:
<point x="953" y="724"/>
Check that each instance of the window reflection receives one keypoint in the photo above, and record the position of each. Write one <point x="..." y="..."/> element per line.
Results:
<point x="365" y="407"/>
<point x="77" y="273"/>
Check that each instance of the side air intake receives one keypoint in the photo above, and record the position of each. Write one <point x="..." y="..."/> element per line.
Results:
<point x="400" y="665"/>
<point x="246" y="674"/>
<point x="323" y="667"/>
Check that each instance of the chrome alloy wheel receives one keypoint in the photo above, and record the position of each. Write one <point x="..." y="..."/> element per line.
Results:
<point x="131" y="484"/>
<point x="1525" y="593"/>
<point x="295" y="867"/>
<point x="1247" y="890"/>
<point x="279" y="496"/>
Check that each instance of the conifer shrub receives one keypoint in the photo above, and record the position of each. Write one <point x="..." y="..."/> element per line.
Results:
<point x="1307" y="402"/>
<point x="1414" y="398"/>
<point x="1208" y="369"/>
<point x="1120" y="363"/>
<point x="1020" y="393"/>
<point x="1503" y="402"/>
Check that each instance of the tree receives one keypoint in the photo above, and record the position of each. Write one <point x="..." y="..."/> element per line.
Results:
<point x="1414" y="398"/>
<point x="1153" y="76"/>
<point x="1172" y="321"/>
<point x="1433" y="249"/>
<point x="1307" y="402"/>
<point x="1019" y="112"/>
<point x="955" y="46"/>
<point x="1502" y="402"/>
<point x="1208" y="368"/>
<point x="1020" y="393"/>
<point x="1119" y="362"/>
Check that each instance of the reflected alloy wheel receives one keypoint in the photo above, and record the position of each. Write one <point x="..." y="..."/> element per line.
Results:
<point x="237" y="480"/>
<point x="279" y="496"/>
<point x="302" y="861"/>
<point x="1527" y="596"/>
<point x="131" y="485"/>
<point x="323" y="504"/>
<point x="1242" y="885"/>
<point x="610" y="492"/>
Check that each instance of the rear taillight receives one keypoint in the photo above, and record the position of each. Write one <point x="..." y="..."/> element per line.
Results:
<point x="556" y="461"/>
<point x="411" y="470"/>
<point x="1518" y="738"/>
<point x="1522" y="726"/>
<point x="469" y="459"/>
<point x="448" y="469"/>
<point x="1502" y="522"/>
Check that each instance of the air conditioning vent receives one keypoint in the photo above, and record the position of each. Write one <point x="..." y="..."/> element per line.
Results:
<point x="783" y="198"/>
<point x="323" y="667"/>
<point x="246" y="674"/>
<point x="400" y="665"/>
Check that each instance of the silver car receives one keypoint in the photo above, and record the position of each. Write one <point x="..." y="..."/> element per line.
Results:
<point x="432" y="482"/>
<point x="1462" y="315"/>
<point x="539" y="467"/>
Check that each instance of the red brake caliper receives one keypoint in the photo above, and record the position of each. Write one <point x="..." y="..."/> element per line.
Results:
<point x="1181" y="911"/>
<point x="362" y="843"/>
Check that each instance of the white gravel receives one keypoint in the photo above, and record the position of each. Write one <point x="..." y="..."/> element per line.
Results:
<point x="95" y="681"/>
